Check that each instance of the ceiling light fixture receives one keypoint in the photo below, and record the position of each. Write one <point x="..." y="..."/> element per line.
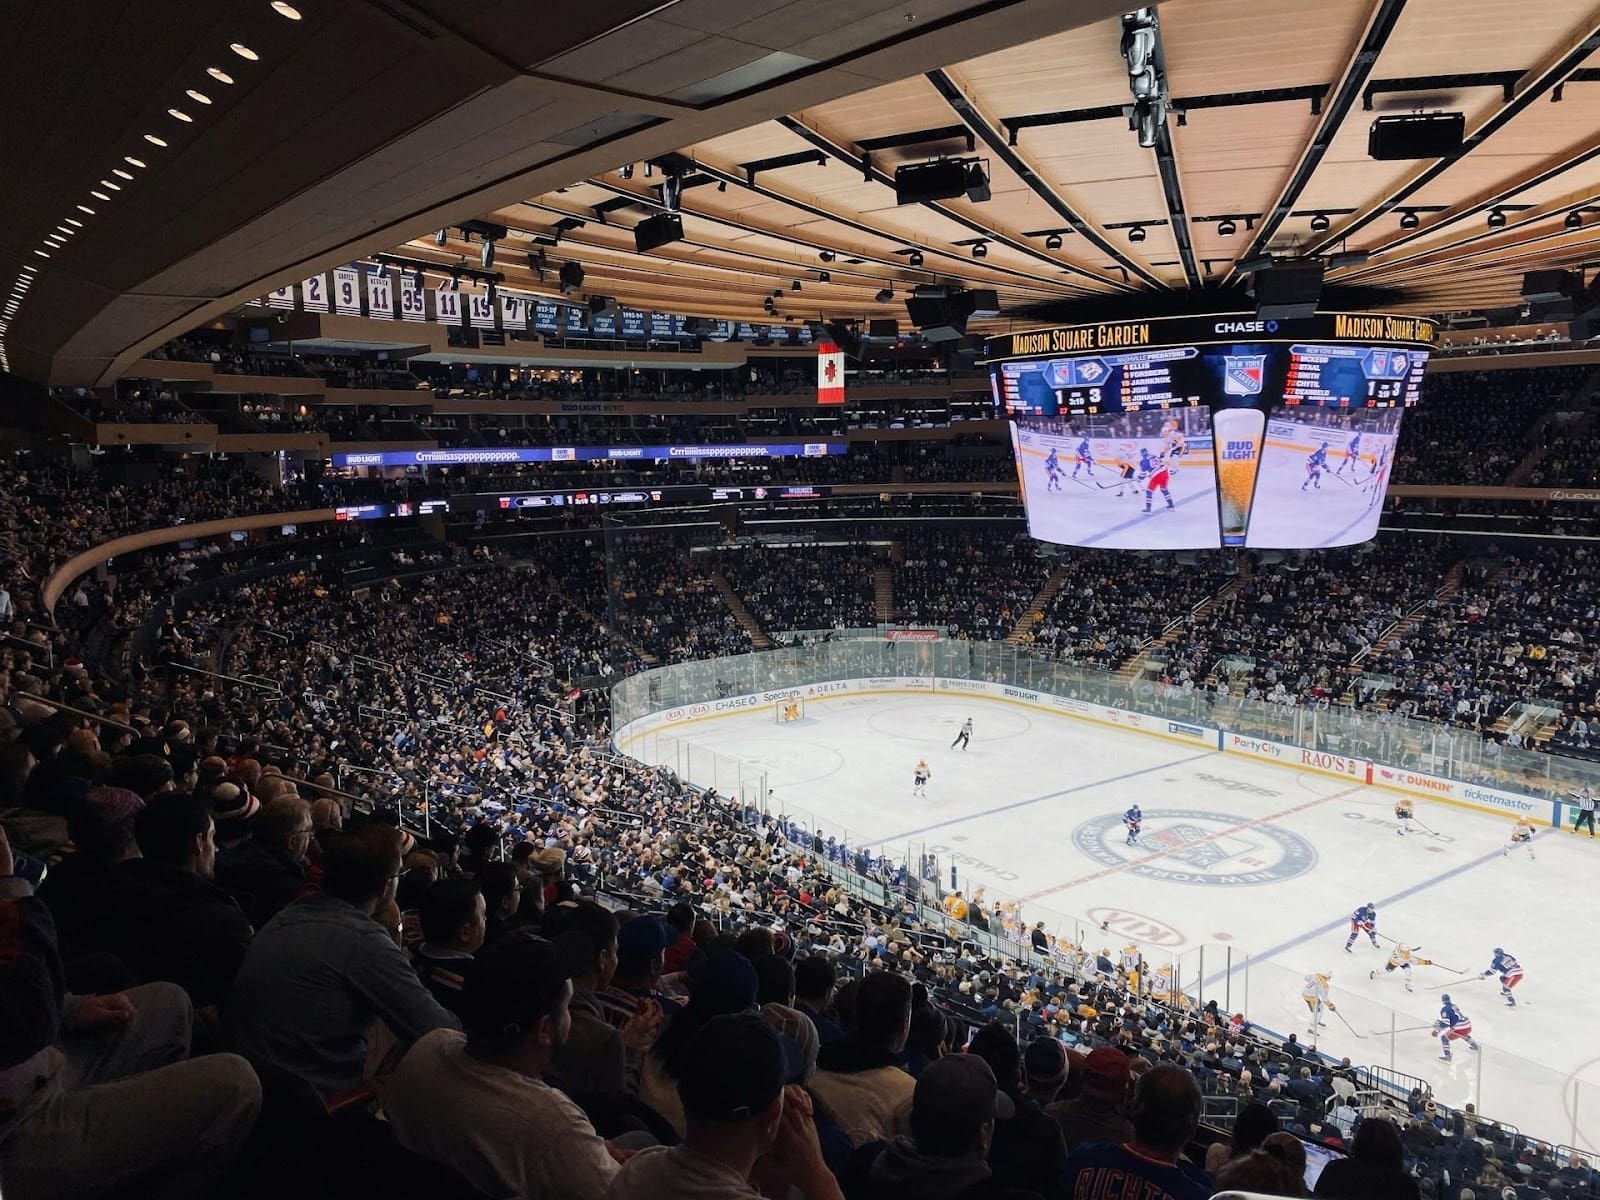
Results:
<point x="115" y="187"/>
<point x="795" y="286"/>
<point x="884" y="295"/>
<point x="74" y="222"/>
<point x="198" y="97"/>
<point x="177" y="114"/>
<point x="154" y="140"/>
<point x="101" y="196"/>
<point x="1497" y="218"/>
<point x="41" y="254"/>
<point x="1574" y="220"/>
<point x="1053" y="242"/>
<point x="219" y="75"/>
<point x="121" y="174"/>
<point x="826" y="255"/>
<point x="981" y="250"/>
<point x="722" y="185"/>
<point x="1409" y="219"/>
<point x="286" y="10"/>
<point x="1227" y="227"/>
<point x="132" y="161"/>
<point x="915" y="258"/>
<point x="244" y="52"/>
<point x="1320" y="223"/>
<point x="1137" y="234"/>
<point x="84" y="208"/>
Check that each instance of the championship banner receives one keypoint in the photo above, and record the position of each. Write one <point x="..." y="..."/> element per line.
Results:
<point x="513" y="312"/>
<point x="281" y="297"/>
<point x="480" y="310"/>
<point x="446" y="305"/>
<point x="412" y="305"/>
<point x="314" y="294"/>
<point x="347" y="292"/>
<point x="380" y="296"/>
<point x="830" y="374"/>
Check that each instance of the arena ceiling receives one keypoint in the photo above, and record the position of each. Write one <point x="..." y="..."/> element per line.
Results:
<point x="1264" y="150"/>
<point x="365" y="125"/>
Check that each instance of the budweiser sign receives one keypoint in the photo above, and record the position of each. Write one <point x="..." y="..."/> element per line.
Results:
<point x="913" y="635"/>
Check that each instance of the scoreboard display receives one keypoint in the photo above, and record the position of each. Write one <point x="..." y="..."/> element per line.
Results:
<point x="1224" y="430"/>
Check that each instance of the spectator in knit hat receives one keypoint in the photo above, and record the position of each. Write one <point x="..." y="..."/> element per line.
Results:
<point x="268" y="869"/>
<point x="724" y="983"/>
<point x="953" y="1113"/>
<point x="1099" y="1113"/>
<point x="1166" y="1113"/>
<point x="857" y="1076"/>
<point x="738" y="1111"/>
<point x="1027" y="1151"/>
<point x="165" y="916"/>
<point x="147" y="774"/>
<point x="453" y="928"/>
<point x="101" y="828"/>
<point x="321" y="972"/>
<point x="478" y="1102"/>
<point x="1044" y="1070"/>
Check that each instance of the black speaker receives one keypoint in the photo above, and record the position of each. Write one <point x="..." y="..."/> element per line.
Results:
<point x="985" y="303"/>
<point x="1288" y="292"/>
<point x="1424" y="135"/>
<point x="572" y="275"/>
<point x="883" y="331"/>
<point x="1546" y="287"/>
<point x="659" y="230"/>
<point x="942" y="180"/>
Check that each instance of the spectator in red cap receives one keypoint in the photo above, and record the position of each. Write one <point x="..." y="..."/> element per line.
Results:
<point x="1099" y="1113"/>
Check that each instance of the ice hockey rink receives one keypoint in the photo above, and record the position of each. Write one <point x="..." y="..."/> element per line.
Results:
<point x="1237" y="855"/>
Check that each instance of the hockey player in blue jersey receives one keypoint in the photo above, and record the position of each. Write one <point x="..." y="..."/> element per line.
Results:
<point x="1085" y="459"/>
<point x="1452" y="1026"/>
<point x="1052" y="470"/>
<point x="1510" y="971"/>
<point x="1133" y="820"/>
<point x="1315" y="465"/>
<point x="1352" y="456"/>
<point x="1156" y="479"/>
<point x="1363" y="920"/>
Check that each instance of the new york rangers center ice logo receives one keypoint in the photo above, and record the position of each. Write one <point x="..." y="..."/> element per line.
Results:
<point x="1206" y="849"/>
<point x="1243" y="374"/>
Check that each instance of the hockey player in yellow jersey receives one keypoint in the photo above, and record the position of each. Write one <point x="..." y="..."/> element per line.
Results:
<point x="1315" y="994"/>
<point x="1404" y="811"/>
<point x="1521" y="835"/>
<point x="1402" y="959"/>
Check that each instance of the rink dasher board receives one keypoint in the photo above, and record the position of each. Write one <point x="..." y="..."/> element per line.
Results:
<point x="1284" y="754"/>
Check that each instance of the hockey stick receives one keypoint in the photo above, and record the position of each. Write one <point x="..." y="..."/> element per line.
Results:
<point x="1426" y="828"/>
<point x="1347" y="1024"/>
<point x="1401" y="1029"/>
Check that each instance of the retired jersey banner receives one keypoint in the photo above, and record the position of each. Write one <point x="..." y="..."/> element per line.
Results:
<point x="281" y="297"/>
<point x="513" y="312"/>
<point x="314" y="294"/>
<point x="480" y="310"/>
<point x="380" y="297"/>
<point x="830" y="374"/>
<point x="412" y="305"/>
<point x="446" y="306"/>
<point x="347" y="292"/>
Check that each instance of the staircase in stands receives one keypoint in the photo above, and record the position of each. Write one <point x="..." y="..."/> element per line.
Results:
<point x="883" y="593"/>
<point x="735" y="603"/>
<point x="1133" y="666"/>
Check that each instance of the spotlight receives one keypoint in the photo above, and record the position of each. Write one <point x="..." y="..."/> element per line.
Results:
<point x="1145" y="84"/>
<point x="1497" y="218"/>
<point x="1137" y="234"/>
<point x="981" y="250"/>
<point x="486" y="255"/>
<point x="626" y="172"/>
<point x="977" y="183"/>
<point x="722" y="185"/>
<point x="455" y="282"/>
<point x="824" y="277"/>
<point x="1227" y="227"/>
<point x="1320" y="223"/>
<point x="1053" y="242"/>
<point x="1138" y="45"/>
<point x="571" y="277"/>
<point x="884" y="295"/>
<point x="441" y="237"/>
<point x="827" y="256"/>
<point x="1574" y="220"/>
<point x="1409" y="220"/>
<point x="915" y="258"/>
<point x="649" y="170"/>
<point x="1148" y="116"/>
<point x="795" y="286"/>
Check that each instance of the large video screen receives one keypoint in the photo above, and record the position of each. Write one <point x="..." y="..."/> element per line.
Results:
<point x="1282" y="439"/>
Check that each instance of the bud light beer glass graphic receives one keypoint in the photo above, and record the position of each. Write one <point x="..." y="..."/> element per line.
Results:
<point x="1238" y="433"/>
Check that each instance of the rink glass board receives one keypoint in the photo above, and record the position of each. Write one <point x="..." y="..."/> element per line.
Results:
<point x="1201" y="432"/>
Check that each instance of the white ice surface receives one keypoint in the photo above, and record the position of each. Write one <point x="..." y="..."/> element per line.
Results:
<point x="1007" y="811"/>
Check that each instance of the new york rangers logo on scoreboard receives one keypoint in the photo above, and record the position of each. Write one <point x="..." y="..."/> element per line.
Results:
<point x="1244" y="374"/>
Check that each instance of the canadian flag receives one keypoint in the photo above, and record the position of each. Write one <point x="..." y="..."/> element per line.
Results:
<point x="830" y="374"/>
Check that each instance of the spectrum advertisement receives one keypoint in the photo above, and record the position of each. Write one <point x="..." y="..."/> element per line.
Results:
<point x="494" y="455"/>
<point x="1203" y="432"/>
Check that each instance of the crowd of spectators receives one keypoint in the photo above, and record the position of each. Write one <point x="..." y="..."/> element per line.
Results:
<point x="1475" y="427"/>
<point x="971" y="583"/>
<point x="667" y="602"/>
<point x="803" y="586"/>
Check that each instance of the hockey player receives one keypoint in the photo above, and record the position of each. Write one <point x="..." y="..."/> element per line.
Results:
<point x="919" y="780"/>
<point x="1404" y="810"/>
<point x="965" y="736"/>
<point x="1085" y="458"/>
<point x="1510" y="971"/>
<point x="1402" y="959"/>
<point x="1452" y="1026"/>
<point x="1363" y="920"/>
<point x="1156" y="477"/>
<point x="1380" y="470"/>
<point x="1352" y="456"/>
<point x="1315" y="465"/>
<point x="1052" y="470"/>
<point x="1315" y="994"/>
<point x="1130" y="479"/>
<point x="1133" y="821"/>
<point x="1521" y="835"/>
<point x="1174" y="445"/>
<point x="1129" y="963"/>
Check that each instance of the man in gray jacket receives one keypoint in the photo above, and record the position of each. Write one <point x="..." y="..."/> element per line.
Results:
<point x="324" y="970"/>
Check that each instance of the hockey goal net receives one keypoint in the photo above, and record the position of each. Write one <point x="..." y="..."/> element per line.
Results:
<point x="789" y="710"/>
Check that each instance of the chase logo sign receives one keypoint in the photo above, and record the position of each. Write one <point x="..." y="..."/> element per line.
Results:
<point x="1190" y="846"/>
